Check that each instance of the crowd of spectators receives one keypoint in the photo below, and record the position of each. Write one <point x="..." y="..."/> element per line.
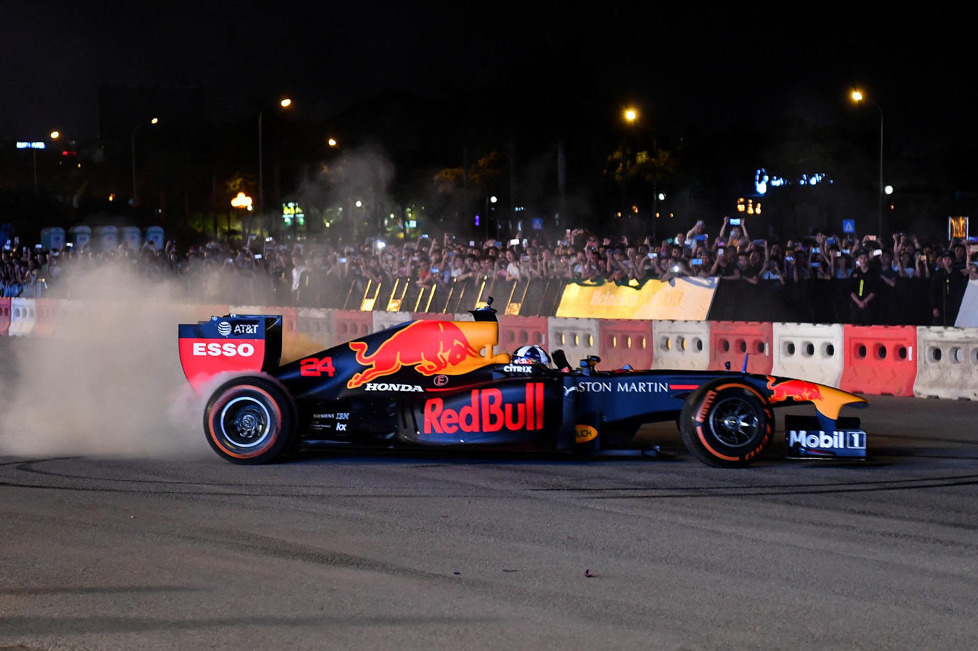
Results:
<point x="302" y="273"/>
<point x="22" y="272"/>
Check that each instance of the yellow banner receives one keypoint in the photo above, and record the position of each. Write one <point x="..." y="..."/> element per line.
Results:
<point x="680" y="299"/>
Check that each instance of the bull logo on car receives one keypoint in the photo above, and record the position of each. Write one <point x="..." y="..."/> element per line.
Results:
<point x="794" y="390"/>
<point x="431" y="348"/>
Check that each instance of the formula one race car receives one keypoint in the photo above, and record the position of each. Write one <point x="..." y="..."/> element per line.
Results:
<point x="440" y="384"/>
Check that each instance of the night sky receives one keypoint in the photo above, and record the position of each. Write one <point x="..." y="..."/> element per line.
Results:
<point x="700" y="65"/>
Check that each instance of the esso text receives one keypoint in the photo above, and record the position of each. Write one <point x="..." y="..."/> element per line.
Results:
<point x="227" y="349"/>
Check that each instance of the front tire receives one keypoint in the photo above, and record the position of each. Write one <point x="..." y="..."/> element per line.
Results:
<point x="250" y="420"/>
<point x="726" y="423"/>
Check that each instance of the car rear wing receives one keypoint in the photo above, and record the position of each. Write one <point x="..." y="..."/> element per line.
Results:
<point x="234" y="343"/>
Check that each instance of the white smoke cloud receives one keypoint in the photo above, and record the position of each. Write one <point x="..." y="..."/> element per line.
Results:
<point x="109" y="382"/>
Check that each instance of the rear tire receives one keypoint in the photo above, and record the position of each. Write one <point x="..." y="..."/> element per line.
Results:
<point x="250" y="420"/>
<point x="726" y="423"/>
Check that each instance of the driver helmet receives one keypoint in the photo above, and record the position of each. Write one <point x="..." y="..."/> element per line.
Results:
<point x="531" y="355"/>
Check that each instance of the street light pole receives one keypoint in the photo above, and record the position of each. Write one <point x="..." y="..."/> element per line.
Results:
<point x="132" y="145"/>
<point x="629" y="116"/>
<point x="34" y="146"/>
<point x="261" y="168"/>
<point x="880" y="190"/>
<point x="857" y="97"/>
<point x="284" y="103"/>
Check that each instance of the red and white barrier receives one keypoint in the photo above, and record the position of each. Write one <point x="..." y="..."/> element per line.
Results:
<point x="877" y="360"/>
<point x="23" y="316"/>
<point x="880" y="360"/>
<point x="731" y="342"/>
<point x="4" y="317"/>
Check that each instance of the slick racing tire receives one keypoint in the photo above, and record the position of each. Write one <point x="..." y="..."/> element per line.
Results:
<point x="726" y="423"/>
<point x="250" y="420"/>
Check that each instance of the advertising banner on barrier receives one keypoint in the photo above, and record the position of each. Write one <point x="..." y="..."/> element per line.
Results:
<point x="680" y="299"/>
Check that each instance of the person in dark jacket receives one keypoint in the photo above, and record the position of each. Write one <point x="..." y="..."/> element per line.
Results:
<point x="947" y="285"/>
<point x="864" y="291"/>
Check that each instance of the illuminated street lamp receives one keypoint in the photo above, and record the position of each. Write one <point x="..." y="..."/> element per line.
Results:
<point x="284" y="103"/>
<point x="858" y="97"/>
<point x="132" y="144"/>
<point x="241" y="201"/>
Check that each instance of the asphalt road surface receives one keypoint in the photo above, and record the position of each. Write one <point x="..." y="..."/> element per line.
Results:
<point x="450" y="552"/>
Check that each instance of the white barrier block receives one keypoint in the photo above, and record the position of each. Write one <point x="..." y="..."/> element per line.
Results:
<point x="384" y="320"/>
<point x="947" y="363"/>
<point x="318" y="325"/>
<point x="578" y="338"/>
<point x="681" y="345"/>
<point x="811" y="351"/>
<point x="23" y="316"/>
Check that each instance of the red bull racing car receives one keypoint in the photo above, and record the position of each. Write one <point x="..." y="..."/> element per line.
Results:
<point x="440" y="384"/>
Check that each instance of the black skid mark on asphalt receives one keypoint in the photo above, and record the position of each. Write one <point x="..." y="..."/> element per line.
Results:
<point x="185" y="488"/>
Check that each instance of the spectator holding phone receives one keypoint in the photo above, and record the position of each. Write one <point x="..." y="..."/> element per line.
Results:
<point x="772" y="270"/>
<point x="699" y="228"/>
<point x="696" y="236"/>
<point x="737" y="239"/>
<point x="702" y="265"/>
<point x="723" y="266"/>
<point x="907" y="266"/>
<point x="820" y="265"/>
<point x="841" y="265"/>
<point x="674" y="266"/>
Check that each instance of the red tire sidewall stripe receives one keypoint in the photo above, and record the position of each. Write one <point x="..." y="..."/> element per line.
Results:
<point x="272" y="436"/>
<point x="699" y="426"/>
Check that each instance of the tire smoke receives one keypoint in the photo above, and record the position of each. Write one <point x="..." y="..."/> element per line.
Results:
<point x="109" y="382"/>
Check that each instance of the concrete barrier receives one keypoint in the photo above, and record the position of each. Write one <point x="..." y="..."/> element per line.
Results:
<point x="578" y="338"/>
<point x="733" y="341"/>
<point x="516" y="331"/>
<point x="384" y="320"/>
<point x="879" y="360"/>
<point x="808" y="351"/>
<point x="318" y="325"/>
<point x="681" y="345"/>
<point x="23" y="316"/>
<point x="352" y="324"/>
<point x="899" y="360"/>
<point x="947" y="363"/>
<point x="624" y="342"/>
<point x="46" y="321"/>
<point x="4" y="316"/>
